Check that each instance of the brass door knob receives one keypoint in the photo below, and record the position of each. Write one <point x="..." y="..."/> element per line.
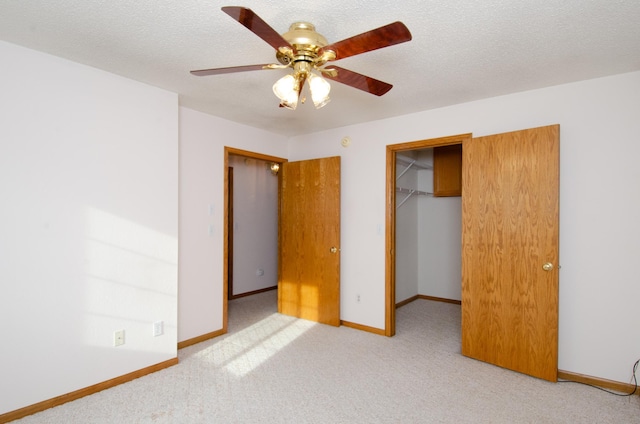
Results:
<point x="548" y="266"/>
<point x="334" y="249"/>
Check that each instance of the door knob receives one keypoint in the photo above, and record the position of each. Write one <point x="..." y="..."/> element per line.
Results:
<point x="334" y="249"/>
<point x="548" y="266"/>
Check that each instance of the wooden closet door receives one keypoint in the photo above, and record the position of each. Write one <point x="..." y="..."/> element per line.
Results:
<point x="510" y="233"/>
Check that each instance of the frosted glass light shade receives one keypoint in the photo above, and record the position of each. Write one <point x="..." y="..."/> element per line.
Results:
<point x="285" y="89"/>
<point x="320" y="89"/>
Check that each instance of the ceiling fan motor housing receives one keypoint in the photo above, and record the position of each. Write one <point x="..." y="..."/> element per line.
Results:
<point x="306" y="42"/>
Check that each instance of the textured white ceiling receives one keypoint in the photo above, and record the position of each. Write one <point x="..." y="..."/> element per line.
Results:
<point x="461" y="50"/>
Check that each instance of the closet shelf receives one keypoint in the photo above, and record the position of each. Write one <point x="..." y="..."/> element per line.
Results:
<point x="410" y="163"/>
<point x="413" y="162"/>
<point x="410" y="192"/>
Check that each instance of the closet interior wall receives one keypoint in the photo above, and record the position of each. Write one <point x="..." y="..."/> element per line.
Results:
<point x="428" y="233"/>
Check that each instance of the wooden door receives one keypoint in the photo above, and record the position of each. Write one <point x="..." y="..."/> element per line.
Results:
<point x="309" y="266"/>
<point x="509" y="232"/>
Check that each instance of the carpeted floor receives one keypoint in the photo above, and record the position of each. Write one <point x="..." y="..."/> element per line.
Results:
<point x="276" y="369"/>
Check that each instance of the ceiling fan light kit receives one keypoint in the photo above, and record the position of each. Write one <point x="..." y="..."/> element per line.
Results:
<point x="307" y="52"/>
<point x="288" y="88"/>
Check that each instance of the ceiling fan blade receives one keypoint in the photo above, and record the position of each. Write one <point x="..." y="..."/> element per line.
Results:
<point x="232" y="69"/>
<point x="385" y="36"/>
<point x="256" y="25"/>
<point x="359" y="81"/>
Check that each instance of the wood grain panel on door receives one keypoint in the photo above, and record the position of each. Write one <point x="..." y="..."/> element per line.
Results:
<point x="309" y="267"/>
<point x="510" y="231"/>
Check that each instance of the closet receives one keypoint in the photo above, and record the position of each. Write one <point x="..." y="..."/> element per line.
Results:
<point x="428" y="224"/>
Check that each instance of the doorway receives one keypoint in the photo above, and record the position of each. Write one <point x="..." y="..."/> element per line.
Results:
<point x="394" y="200"/>
<point x="310" y="188"/>
<point x="428" y="225"/>
<point x="253" y="187"/>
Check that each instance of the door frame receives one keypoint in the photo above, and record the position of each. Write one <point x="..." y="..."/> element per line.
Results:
<point x="225" y="225"/>
<point x="229" y="237"/>
<point x="390" y="212"/>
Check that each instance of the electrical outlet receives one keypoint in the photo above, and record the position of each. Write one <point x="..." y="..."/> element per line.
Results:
<point x="358" y="298"/>
<point x="118" y="338"/>
<point x="158" y="328"/>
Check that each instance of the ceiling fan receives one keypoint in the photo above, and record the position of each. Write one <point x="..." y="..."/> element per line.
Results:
<point x="305" y="50"/>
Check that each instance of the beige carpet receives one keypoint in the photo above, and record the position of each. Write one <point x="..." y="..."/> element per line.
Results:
<point x="276" y="369"/>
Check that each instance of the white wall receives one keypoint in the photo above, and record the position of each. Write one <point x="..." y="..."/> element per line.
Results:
<point x="88" y="224"/>
<point x="439" y="241"/>
<point x="407" y="267"/>
<point x="599" y="198"/>
<point x="255" y="225"/>
<point x="202" y="141"/>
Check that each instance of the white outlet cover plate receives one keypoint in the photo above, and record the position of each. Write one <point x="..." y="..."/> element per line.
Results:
<point x="118" y="338"/>
<point x="158" y="328"/>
